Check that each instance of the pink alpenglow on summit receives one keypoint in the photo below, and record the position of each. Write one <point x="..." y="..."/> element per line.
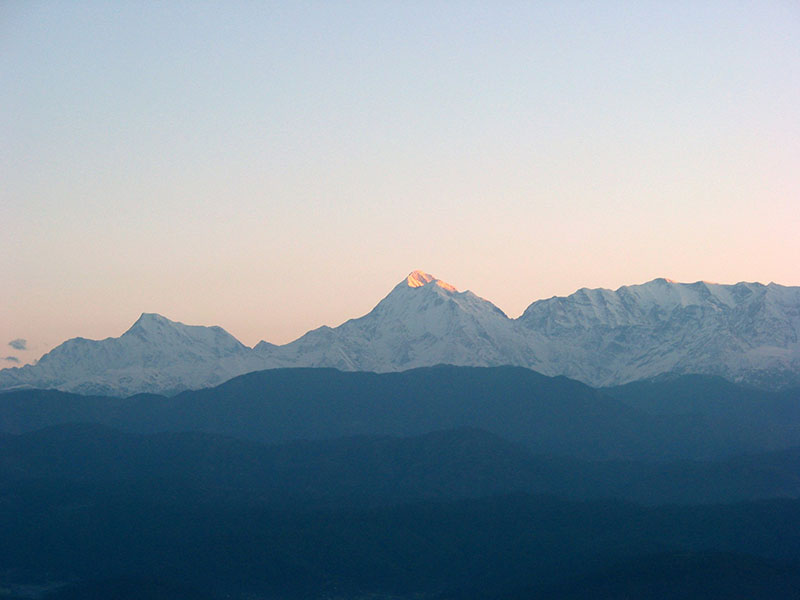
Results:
<point x="419" y="278"/>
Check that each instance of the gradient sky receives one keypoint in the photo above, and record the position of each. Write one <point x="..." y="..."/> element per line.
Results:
<point x="273" y="167"/>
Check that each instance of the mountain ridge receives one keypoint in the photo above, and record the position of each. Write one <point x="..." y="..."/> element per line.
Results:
<point x="744" y="332"/>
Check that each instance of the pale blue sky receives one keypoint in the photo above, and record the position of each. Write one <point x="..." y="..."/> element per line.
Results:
<point x="272" y="167"/>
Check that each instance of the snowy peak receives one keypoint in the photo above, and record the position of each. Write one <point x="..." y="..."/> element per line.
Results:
<point x="150" y="324"/>
<point x="417" y="279"/>
<point x="743" y="332"/>
<point x="154" y="329"/>
<point x="668" y="293"/>
<point x="154" y="355"/>
<point x="423" y="321"/>
<point x="421" y="293"/>
<point x="148" y="320"/>
<point x="631" y="304"/>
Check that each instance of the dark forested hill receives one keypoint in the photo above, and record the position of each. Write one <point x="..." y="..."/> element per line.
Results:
<point x="486" y="548"/>
<point x="367" y="471"/>
<point x="440" y="483"/>
<point x="546" y="415"/>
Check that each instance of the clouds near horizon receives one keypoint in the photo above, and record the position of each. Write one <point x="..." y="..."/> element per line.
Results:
<point x="19" y="344"/>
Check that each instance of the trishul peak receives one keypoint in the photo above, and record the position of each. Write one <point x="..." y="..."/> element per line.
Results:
<point x="417" y="279"/>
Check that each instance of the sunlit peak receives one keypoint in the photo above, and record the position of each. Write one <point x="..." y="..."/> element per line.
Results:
<point x="417" y="279"/>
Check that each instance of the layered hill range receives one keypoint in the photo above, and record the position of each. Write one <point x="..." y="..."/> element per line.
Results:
<point x="747" y="332"/>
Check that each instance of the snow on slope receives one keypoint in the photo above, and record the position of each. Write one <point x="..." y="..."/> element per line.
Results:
<point x="423" y="321"/>
<point x="745" y="332"/>
<point x="155" y="355"/>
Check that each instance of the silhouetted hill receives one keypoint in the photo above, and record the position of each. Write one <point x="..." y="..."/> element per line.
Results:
<point x="704" y="394"/>
<point x="546" y="415"/>
<point x="767" y="419"/>
<point x="367" y="471"/>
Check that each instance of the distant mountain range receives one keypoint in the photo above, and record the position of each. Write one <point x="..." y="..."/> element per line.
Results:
<point x="747" y="333"/>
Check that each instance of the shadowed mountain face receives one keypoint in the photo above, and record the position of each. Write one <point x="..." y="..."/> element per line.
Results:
<point x="746" y="332"/>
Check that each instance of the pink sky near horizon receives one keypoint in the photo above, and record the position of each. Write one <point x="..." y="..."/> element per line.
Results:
<point x="271" y="168"/>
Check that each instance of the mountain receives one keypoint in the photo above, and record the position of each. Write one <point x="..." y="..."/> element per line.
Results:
<point x="746" y="332"/>
<point x="154" y="355"/>
<point x="422" y="322"/>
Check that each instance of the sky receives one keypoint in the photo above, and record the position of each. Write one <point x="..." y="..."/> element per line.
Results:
<point x="271" y="167"/>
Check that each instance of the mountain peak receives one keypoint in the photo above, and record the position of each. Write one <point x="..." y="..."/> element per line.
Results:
<point x="150" y="323"/>
<point x="417" y="279"/>
<point x="148" y="319"/>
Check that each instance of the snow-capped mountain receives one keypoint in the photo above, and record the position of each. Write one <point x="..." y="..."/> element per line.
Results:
<point x="155" y="355"/>
<point x="423" y="321"/>
<point x="745" y="332"/>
